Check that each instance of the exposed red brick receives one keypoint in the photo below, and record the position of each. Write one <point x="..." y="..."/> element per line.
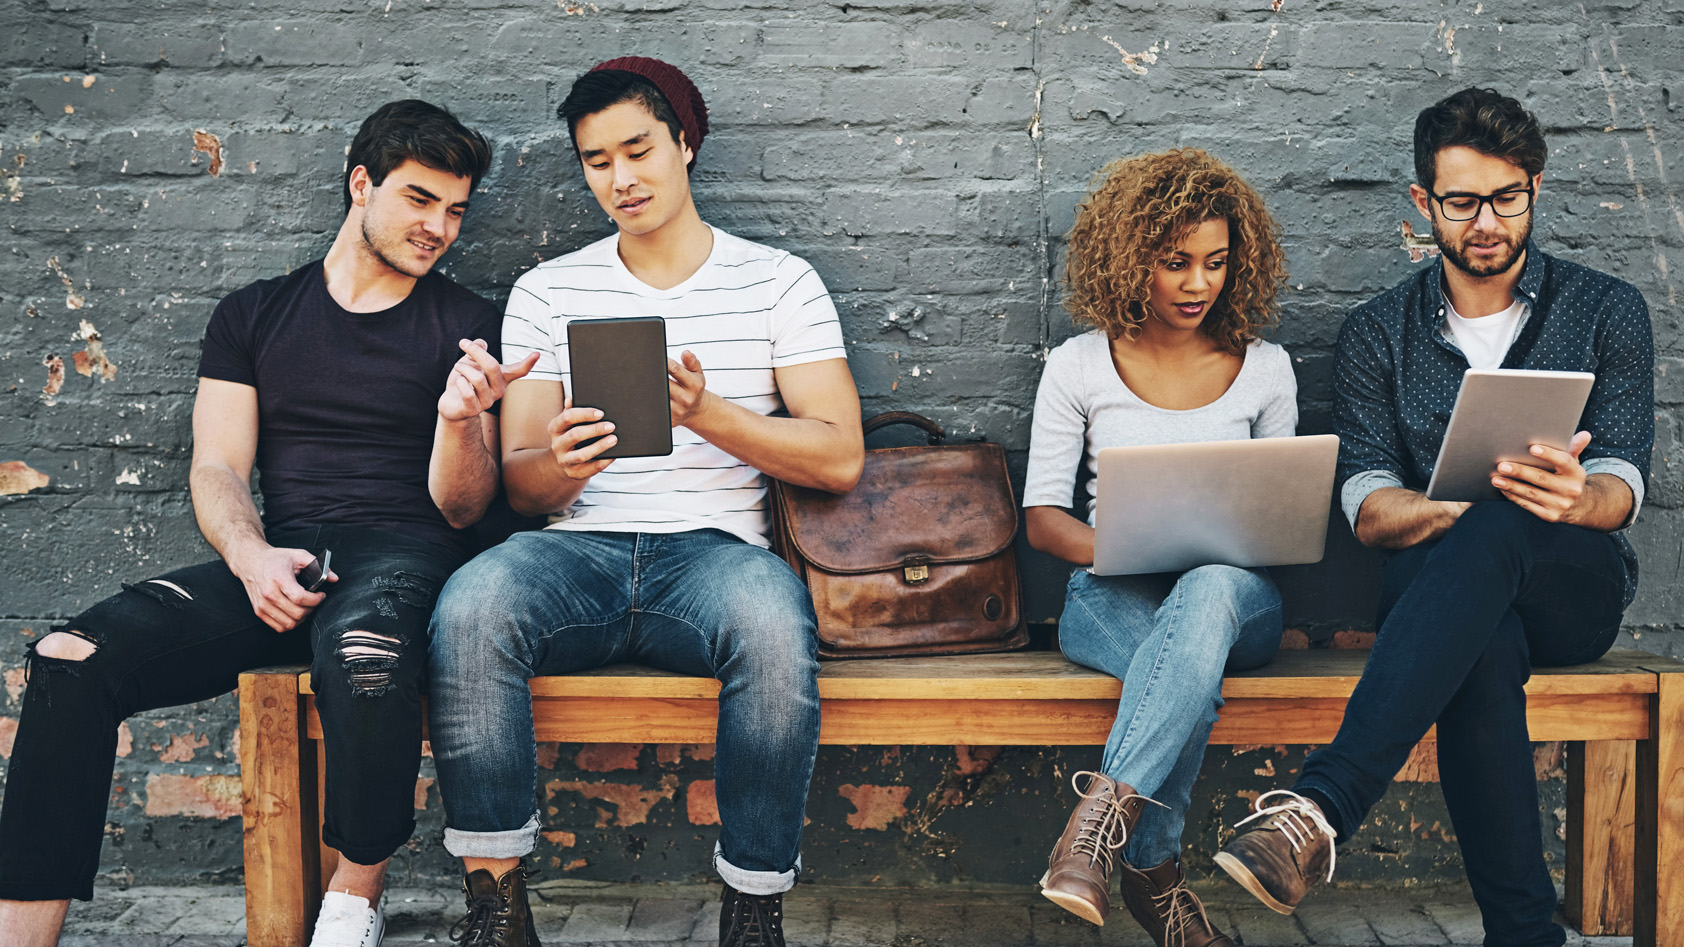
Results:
<point x="563" y="839"/>
<point x="1549" y="760"/>
<point x="631" y="802"/>
<point x="55" y="378"/>
<point x="1359" y="640"/>
<point x="14" y="684"/>
<point x="8" y="733"/>
<point x="548" y="753"/>
<point x="216" y="796"/>
<point x="422" y="784"/>
<point x="700" y="803"/>
<point x="18" y="477"/>
<point x="125" y="739"/>
<point x="1421" y="767"/>
<point x="575" y="865"/>
<point x="700" y="751"/>
<point x="975" y="760"/>
<point x="875" y="806"/>
<point x="606" y="757"/>
<point x="667" y="754"/>
<point x="182" y="746"/>
<point x="1294" y="639"/>
<point x="212" y="146"/>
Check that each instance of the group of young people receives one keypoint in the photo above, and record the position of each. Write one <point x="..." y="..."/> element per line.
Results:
<point x="383" y="404"/>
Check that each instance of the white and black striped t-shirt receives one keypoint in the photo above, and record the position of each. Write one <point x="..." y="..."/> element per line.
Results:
<point x="748" y="310"/>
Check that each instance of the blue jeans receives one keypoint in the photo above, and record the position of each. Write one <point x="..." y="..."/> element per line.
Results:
<point x="702" y="603"/>
<point x="1169" y="638"/>
<point x="1463" y="620"/>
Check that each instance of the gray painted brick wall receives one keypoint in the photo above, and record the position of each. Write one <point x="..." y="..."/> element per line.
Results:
<point x="925" y="155"/>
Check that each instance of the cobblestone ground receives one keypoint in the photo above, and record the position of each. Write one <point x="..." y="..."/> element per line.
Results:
<point x="591" y="915"/>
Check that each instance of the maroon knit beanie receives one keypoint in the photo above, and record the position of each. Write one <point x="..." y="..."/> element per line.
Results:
<point x="681" y="94"/>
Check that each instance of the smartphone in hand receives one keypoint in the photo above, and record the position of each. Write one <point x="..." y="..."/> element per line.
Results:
<point x="314" y="574"/>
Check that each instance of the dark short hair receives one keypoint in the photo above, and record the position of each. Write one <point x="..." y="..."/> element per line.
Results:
<point x="411" y="129"/>
<point x="1485" y="120"/>
<point x="602" y="89"/>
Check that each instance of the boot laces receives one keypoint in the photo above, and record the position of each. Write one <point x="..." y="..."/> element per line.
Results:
<point x="1298" y="819"/>
<point x="486" y="917"/>
<point x="756" y="921"/>
<point x="1180" y="908"/>
<point x="1101" y="836"/>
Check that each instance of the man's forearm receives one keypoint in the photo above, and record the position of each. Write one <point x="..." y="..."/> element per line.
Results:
<point x="227" y="517"/>
<point x="805" y="451"/>
<point x="1397" y="518"/>
<point x="536" y="485"/>
<point x="462" y="473"/>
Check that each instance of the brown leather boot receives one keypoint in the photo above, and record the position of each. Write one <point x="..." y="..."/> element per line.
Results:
<point x="1078" y="877"/>
<point x="1160" y="900"/>
<point x="1279" y="858"/>
<point x="498" y="914"/>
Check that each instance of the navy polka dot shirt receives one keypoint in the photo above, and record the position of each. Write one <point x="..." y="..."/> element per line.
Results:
<point x="1398" y="370"/>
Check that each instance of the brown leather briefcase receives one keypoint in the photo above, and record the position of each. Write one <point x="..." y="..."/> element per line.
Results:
<point x="917" y="559"/>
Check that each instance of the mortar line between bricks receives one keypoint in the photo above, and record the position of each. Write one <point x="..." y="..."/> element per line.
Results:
<point x="1037" y="138"/>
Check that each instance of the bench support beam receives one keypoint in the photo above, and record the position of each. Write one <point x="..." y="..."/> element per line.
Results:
<point x="278" y="810"/>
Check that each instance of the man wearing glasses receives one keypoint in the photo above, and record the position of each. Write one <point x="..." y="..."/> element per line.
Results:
<point x="1473" y="595"/>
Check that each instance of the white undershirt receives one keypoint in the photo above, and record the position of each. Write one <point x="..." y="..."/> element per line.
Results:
<point x="1485" y="340"/>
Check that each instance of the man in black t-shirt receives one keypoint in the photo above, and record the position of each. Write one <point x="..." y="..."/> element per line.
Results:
<point x="361" y="386"/>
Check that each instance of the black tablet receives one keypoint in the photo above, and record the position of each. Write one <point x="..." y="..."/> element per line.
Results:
<point x="620" y="367"/>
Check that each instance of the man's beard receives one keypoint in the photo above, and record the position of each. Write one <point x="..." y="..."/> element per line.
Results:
<point x="1456" y="256"/>
<point x="385" y="248"/>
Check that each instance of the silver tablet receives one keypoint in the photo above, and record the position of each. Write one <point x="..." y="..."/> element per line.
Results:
<point x="1171" y="507"/>
<point x="1500" y="413"/>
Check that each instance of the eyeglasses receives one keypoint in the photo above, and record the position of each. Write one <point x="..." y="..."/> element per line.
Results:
<point x="1468" y="206"/>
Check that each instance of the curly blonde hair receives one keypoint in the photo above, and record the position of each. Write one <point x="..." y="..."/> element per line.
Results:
<point x="1139" y="211"/>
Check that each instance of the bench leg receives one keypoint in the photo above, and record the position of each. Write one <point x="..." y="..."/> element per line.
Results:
<point x="1601" y="817"/>
<point x="277" y="777"/>
<point x="1660" y="820"/>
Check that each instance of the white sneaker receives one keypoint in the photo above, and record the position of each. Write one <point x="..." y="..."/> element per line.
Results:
<point x="347" y="921"/>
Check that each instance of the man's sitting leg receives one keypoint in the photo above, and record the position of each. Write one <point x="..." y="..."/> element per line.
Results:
<point x="1463" y="620"/>
<point x="369" y="663"/>
<point x="175" y="639"/>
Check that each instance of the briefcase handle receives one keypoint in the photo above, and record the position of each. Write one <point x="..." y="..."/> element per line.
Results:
<point x="935" y="431"/>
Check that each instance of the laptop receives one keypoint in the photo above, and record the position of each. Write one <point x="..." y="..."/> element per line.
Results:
<point x="1173" y="507"/>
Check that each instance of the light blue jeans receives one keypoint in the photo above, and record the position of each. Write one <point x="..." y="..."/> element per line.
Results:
<point x="1169" y="638"/>
<point x="703" y="603"/>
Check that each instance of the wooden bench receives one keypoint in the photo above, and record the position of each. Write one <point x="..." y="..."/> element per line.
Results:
<point x="1624" y="717"/>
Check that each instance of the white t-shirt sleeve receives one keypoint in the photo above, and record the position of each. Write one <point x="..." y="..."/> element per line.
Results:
<point x="527" y="325"/>
<point x="1279" y="415"/>
<point x="1058" y="433"/>
<point x="805" y="327"/>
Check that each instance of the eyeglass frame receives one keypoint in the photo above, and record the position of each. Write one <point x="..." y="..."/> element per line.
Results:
<point x="1484" y="199"/>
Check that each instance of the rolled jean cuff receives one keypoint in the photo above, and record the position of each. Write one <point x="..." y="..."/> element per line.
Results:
<point x="513" y="843"/>
<point x="752" y="882"/>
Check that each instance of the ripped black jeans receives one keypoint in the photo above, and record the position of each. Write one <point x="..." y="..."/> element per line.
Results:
<point x="185" y="636"/>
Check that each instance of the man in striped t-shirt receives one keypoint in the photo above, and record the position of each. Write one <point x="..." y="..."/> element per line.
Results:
<point x="658" y="560"/>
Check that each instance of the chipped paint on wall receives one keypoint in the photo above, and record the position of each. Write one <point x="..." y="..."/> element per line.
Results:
<point x="72" y="299"/>
<point x="1420" y="246"/>
<point x="631" y="802"/>
<point x="211" y="146"/>
<point x="1136" y="62"/>
<point x="216" y="796"/>
<point x="93" y="358"/>
<point x="18" y="477"/>
<point x="875" y="807"/>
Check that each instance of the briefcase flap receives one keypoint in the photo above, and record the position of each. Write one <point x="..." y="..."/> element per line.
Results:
<point x="942" y="504"/>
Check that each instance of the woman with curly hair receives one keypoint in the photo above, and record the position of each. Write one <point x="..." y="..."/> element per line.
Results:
<point x="1175" y="266"/>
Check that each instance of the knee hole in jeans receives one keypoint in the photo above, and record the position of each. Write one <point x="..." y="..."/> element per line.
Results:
<point x="369" y="660"/>
<point x="67" y="645"/>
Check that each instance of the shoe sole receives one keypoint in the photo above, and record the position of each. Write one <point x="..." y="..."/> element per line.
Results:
<point x="1237" y="870"/>
<point x="1073" y="904"/>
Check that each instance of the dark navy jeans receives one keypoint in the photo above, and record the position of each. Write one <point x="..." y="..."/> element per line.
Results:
<point x="1463" y="620"/>
<point x="185" y="636"/>
<point x="701" y="602"/>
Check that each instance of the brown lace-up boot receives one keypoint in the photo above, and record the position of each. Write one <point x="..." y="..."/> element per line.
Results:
<point x="498" y="914"/>
<point x="1078" y="877"/>
<point x="1290" y="847"/>
<point x="1160" y="900"/>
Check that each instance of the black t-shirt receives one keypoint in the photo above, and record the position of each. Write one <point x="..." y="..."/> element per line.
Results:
<point x="347" y="401"/>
